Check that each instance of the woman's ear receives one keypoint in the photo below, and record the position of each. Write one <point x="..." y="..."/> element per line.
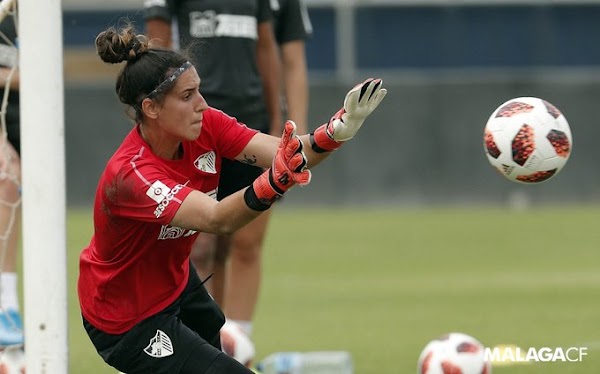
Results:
<point x="150" y="108"/>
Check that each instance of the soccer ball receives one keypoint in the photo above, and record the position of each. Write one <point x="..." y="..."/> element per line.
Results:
<point x="237" y="344"/>
<point x="455" y="353"/>
<point x="528" y="140"/>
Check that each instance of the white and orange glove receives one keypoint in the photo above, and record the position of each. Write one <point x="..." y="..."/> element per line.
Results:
<point x="288" y="169"/>
<point x="358" y="104"/>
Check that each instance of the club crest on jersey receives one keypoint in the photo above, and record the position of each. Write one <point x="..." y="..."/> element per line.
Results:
<point x="207" y="162"/>
<point x="160" y="345"/>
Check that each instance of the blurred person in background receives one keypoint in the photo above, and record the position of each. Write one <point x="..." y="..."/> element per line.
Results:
<point x="238" y="58"/>
<point x="144" y="307"/>
<point x="11" y="324"/>
<point x="244" y="269"/>
<point x="292" y="27"/>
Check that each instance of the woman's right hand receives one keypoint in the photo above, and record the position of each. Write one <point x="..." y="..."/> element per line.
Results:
<point x="288" y="168"/>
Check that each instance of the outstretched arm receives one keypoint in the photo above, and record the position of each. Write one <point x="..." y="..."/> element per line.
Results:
<point x="359" y="102"/>
<point x="287" y="159"/>
<point x="202" y="213"/>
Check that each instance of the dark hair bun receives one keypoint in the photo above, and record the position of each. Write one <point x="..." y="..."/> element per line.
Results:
<point x="114" y="46"/>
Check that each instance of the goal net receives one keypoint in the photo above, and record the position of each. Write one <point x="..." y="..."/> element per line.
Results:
<point x="10" y="179"/>
<point x="11" y="335"/>
<point x="32" y="120"/>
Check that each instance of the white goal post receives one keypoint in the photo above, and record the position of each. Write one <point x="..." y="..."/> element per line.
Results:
<point x="43" y="181"/>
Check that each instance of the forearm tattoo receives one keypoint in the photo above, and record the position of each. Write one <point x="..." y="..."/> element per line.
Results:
<point x="249" y="159"/>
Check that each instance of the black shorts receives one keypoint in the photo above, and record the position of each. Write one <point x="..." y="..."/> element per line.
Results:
<point x="183" y="338"/>
<point x="13" y="131"/>
<point x="236" y="175"/>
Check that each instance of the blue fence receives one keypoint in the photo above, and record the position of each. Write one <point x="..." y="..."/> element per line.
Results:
<point x="447" y="68"/>
<point x="426" y="37"/>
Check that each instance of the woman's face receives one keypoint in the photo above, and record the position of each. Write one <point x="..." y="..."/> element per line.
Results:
<point x="181" y="112"/>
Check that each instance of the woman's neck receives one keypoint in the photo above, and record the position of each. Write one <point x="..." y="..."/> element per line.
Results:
<point x="160" y="145"/>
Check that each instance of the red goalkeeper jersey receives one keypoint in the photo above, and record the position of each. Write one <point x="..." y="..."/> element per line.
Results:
<point x="137" y="263"/>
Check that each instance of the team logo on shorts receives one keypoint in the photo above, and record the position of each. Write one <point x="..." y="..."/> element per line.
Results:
<point x="160" y="345"/>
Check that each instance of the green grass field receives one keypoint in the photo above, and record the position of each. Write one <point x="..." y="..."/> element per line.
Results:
<point x="382" y="283"/>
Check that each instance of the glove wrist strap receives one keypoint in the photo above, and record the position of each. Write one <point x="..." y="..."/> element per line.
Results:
<point x="263" y="192"/>
<point x="321" y="142"/>
<point x="253" y="202"/>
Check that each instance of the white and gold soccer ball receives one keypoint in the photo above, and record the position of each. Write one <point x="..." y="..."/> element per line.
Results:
<point x="527" y="139"/>
<point x="454" y="353"/>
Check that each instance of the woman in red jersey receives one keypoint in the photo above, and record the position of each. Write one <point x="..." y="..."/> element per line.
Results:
<point x="143" y="308"/>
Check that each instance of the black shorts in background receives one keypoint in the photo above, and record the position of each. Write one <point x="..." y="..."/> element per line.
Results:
<point x="236" y="175"/>
<point x="13" y="130"/>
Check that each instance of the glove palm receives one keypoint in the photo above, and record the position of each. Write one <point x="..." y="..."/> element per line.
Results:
<point x="359" y="103"/>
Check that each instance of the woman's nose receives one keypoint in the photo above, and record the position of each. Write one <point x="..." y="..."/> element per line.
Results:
<point x="202" y="105"/>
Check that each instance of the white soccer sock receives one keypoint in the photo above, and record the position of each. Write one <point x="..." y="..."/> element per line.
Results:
<point x="246" y="326"/>
<point x="8" y="291"/>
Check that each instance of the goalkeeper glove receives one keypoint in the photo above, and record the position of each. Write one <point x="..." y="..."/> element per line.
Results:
<point x="288" y="169"/>
<point x="360" y="101"/>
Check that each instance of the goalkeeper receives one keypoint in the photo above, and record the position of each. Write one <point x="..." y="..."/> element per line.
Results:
<point x="143" y="308"/>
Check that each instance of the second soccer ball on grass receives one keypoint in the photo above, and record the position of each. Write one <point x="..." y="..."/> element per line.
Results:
<point x="454" y="353"/>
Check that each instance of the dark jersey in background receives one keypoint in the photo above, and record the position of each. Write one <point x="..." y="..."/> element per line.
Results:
<point x="221" y="36"/>
<point x="291" y="21"/>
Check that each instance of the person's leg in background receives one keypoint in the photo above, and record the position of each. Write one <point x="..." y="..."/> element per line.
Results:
<point x="244" y="272"/>
<point x="235" y="262"/>
<point x="209" y="256"/>
<point x="11" y="324"/>
<point x="203" y="258"/>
